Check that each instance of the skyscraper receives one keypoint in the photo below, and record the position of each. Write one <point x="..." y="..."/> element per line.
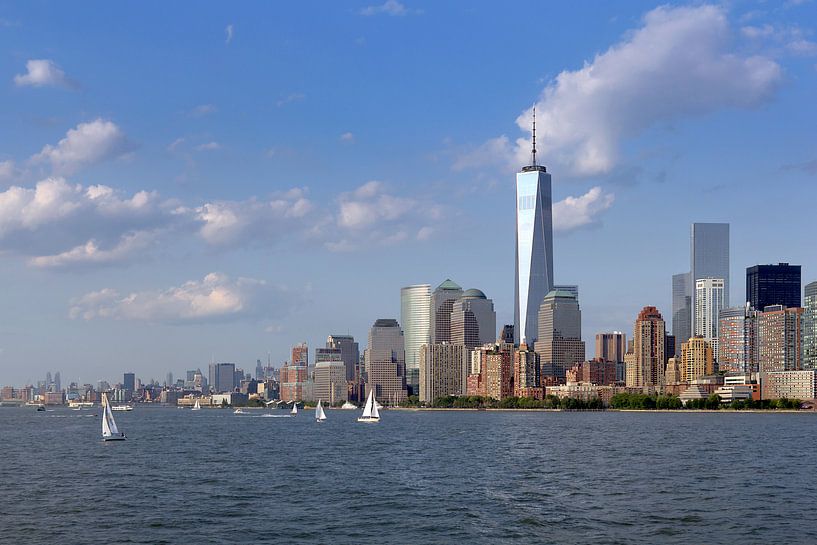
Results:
<point x="773" y="285"/>
<point x="534" y="247"/>
<point x="780" y="339"/>
<point x="222" y="377"/>
<point x="709" y="258"/>
<point x="349" y="352"/>
<point x="415" y="315"/>
<point x="737" y="339"/>
<point x="681" y="309"/>
<point x="696" y="359"/>
<point x="129" y="382"/>
<point x="612" y="347"/>
<point x="473" y="319"/>
<point x="385" y="361"/>
<point x="810" y="327"/>
<point x="559" y="341"/>
<point x="300" y="354"/>
<point x="645" y="365"/>
<point x="709" y="301"/>
<point x="442" y="304"/>
<point x="443" y="370"/>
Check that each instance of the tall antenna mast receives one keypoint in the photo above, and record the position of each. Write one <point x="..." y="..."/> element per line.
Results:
<point x="534" y="135"/>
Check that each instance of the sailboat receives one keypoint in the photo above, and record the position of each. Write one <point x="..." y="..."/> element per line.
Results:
<point x="197" y="406"/>
<point x="294" y="411"/>
<point x="109" y="430"/>
<point x="320" y="416"/>
<point x="370" y="412"/>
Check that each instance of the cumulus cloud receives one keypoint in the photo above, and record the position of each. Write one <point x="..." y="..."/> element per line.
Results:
<point x="389" y="7"/>
<point x="785" y="38"/>
<point x="215" y="297"/>
<point x="228" y="34"/>
<point x="43" y="73"/>
<point x="86" y="144"/>
<point x="678" y="64"/>
<point x="129" y="246"/>
<point x="573" y="213"/>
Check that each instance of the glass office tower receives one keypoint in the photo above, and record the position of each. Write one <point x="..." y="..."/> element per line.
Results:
<point x="709" y="258"/>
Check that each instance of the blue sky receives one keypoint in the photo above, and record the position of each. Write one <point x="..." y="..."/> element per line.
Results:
<point x="183" y="183"/>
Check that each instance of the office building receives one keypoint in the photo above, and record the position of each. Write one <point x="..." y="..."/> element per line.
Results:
<point x="293" y="382"/>
<point x="572" y="289"/>
<point x="506" y="336"/>
<point x="415" y="315"/>
<point x="780" y="342"/>
<point x="128" y="382"/>
<point x="789" y="384"/>
<point x="533" y="278"/>
<point x="222" y="377"/>
<point x="612" y="347"/>
<point x="527" y="381"/>
<point x="709" y="258"/>
<point x="737" y="340"/>
<point x="385" y="362"/>
<point x="681" y="309"/>
<point x="443" y="370"/>
<point x="559" y="343"/>
<point x="709" y="301"/>
<point x="330" y="381"/>
<point x="473" y="319"/>
<point x="645" y="364"/>
<point x="810" y="326"/>
<point x="442" y="305"/>
<point x="349" y="352"/>
<point x="696" y="359"/>
<point x="768" y="285"/>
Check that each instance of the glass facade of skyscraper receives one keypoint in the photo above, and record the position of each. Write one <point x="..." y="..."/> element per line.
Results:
<point x="810" y="326"/>
<point x="773" y="285"/>
<point x="709" y="258"/>
<point x="415" y="309"/>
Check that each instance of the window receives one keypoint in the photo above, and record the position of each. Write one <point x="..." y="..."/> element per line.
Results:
<point x="527" y="202"/>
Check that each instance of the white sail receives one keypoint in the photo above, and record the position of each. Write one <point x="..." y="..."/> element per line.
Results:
<point x="108" y="423"/>
<point x="319" y="414"/>
<point x="367" y="410"/>
<point x="197" y="406"/>
<point x="294" y="410"/>
<point x="375" y="412"/>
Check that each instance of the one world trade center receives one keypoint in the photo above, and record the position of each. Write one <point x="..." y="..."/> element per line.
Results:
<point x="534" y="247"/>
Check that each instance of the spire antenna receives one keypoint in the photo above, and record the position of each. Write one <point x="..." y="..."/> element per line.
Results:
<point x="534" y="135"/>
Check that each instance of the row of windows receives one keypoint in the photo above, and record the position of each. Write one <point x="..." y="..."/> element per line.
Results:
<point x="527" y="202"/>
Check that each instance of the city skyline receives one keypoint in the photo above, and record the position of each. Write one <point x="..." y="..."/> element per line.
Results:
<point x="155" y="227"/>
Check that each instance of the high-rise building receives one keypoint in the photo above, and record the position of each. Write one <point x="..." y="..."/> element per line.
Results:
<point x="300" y="354"/>
<point x="57" y="382"/>
<point x="709" y="258"/>
<point x="330" y="380"/>
<point x="169" y="380"/>
<point x="559" y="343"/>
<point x="328" y="354"/>
<point x="696" y="359"/>
<point x="709" y="301"/>
<point x="612" y="347"/>
<point x="738" y="340"/>
<point x="810" y="326"/>
<point x="645" y="364"/>
<point x="507" y="334"/>
<point x="443" y="370"/>
<point x="129" y="382"/>
<point x="442" y="305"/>
<point x="415" y="315"/>
<point x="773" y="285"/>
<point x="473" y="319"/>
<point x="534" y="247"/>
<point x="572" y="289"/>
<point x="681" y="309"/>
<point x="222" y="377"/>
<point x="292" y="382"/>
<point x="527" y="379"/>
<point x="385" y="361"/>
<point x="780" y="339"/>
<point x="349" y="352"/>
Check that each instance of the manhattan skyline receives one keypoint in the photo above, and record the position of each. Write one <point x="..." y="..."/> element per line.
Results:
<point x="158" y="211"/>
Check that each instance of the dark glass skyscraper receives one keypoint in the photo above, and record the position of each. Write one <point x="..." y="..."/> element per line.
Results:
<point x="681" y="310"/>
<point x="773" y="285"/>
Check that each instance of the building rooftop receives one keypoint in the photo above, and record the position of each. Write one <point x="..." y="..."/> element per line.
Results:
<point x="560" y="293"/>
<point x="449" y="285"/>
<point x="474" y="294"/>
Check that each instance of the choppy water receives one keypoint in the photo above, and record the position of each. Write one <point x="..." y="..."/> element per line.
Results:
<point x="417" y="477"/>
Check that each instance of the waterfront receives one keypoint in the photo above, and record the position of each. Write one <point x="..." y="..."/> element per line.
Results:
<point x="424" y="477"/>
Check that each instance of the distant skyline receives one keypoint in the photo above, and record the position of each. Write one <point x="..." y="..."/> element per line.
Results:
<point x="222" y="183"/>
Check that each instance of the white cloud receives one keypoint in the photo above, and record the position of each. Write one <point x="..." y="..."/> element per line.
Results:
<point x="43" y="73"/>
<point x="175" y="145"/>
<point x="677" y="65"/>
<point x="7" y="170"/>
<point x="209" y="146"/>
<point x="129" y="246"/>
<point x="202" y="110"/>
<point x="574" y="213"/>
<point x="215" y="297"/>
<point x="290" y="98"/>
<point x="369" y="204"/>
<point x="228" y="34"/>
<point x="788" y="38"/>
<point x="87" y="144"/>
<point x="347" y="137"/>
<point x="389" y="7"/>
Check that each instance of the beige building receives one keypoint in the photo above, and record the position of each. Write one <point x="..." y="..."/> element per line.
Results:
<point x="646" y="368"/>
<point x="780" y="339"/>
<point x="672" y="374"/>
<point x="330" y="381"/>
<point x="789" y="384"/>
<point x="443" y="370"/>
<point x="696" y="359"/>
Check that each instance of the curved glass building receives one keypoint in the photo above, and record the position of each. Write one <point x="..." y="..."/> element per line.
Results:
<point x="415" y="315"/>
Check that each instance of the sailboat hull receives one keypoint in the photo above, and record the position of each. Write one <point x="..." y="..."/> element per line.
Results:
<point x="368" y="420"/>
<point x="114" y="438"/>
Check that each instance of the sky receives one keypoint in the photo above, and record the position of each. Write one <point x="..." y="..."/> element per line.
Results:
<point x="181" y="184"/>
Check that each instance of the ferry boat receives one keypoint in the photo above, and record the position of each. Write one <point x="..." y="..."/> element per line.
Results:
<point x="122" y="408"/>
